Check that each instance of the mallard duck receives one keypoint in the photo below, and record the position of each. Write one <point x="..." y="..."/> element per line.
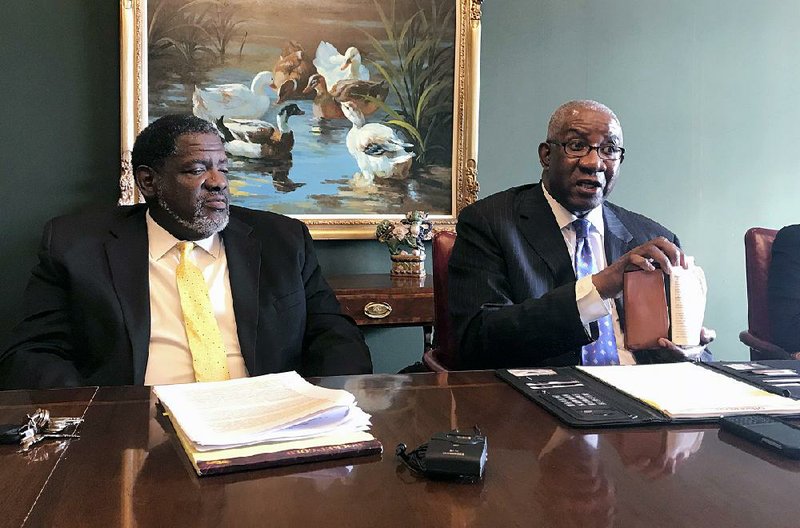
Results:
<point x="336" y="67"/>
<point x="291" y="72"/>
<point x="377" y="149"/>
<point x="265" y="142"/>
<point x="327" y="104"/>
<point x="236" y="101"/>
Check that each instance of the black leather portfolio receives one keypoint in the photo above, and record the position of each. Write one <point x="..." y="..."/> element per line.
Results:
<point x="581" y="400"/>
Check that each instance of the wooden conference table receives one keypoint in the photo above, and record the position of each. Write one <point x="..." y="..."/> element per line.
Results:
<point x="126" y="471"/>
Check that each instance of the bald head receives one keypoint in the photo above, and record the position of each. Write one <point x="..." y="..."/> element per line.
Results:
<point x="563" y="113"/>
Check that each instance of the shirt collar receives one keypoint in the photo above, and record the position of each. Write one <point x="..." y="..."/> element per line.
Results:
<point x="160" y="241"/>
<point x="564" y="218"/>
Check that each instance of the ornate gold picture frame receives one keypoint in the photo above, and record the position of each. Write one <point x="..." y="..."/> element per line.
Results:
<point x="380" y="97"/>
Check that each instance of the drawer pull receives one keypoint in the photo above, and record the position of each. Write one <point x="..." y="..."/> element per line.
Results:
<point x="377" y="310"/>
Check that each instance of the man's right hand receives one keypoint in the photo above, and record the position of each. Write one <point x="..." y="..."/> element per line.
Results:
<point x="659" y="250"/>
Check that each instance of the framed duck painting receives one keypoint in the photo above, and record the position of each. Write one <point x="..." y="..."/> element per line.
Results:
<point x="341" y="113"/>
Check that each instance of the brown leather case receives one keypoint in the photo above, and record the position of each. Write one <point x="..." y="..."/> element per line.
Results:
<point x="646" y="312"/>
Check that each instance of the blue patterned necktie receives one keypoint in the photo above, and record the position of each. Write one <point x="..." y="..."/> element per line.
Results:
<point x="604" y="350"/>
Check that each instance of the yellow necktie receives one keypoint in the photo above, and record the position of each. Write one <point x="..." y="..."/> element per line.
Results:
<point x="205" y="339"/>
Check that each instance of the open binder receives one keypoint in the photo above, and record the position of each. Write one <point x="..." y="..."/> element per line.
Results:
<point x="683" y="392"/>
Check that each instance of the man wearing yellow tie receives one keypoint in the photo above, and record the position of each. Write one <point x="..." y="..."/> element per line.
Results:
<point x="185" y="288"/>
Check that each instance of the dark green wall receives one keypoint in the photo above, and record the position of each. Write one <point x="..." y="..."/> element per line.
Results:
<point x="706" y="91"/>
<point x="59" y="131"/>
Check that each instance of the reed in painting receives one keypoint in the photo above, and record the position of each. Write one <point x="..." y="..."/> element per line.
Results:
<point x="417" y="60"/>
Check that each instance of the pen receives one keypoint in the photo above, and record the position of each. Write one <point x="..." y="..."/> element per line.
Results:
<point x="543" y="383"/>
<point x="775" y="390"/>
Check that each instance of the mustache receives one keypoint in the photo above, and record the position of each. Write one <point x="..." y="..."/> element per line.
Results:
<point x="214" y="196"/>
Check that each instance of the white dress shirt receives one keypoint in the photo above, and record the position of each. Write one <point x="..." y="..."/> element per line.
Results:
<point x="169" y="359"/>
<point x="591" y="306"/>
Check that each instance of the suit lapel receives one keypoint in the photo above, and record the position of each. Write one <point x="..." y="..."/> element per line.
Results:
<point x="244" y="268"/>
<point x="127" y="253"/>
<point x="617" y="236"/>
<point x="617" y="240"/>
<point x="540" y="229"/>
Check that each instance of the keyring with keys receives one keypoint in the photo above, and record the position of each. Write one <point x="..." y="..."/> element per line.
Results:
<point x="37" y="427"/>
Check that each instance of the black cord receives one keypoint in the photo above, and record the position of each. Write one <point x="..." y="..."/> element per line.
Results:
<point x="415" y="459"/>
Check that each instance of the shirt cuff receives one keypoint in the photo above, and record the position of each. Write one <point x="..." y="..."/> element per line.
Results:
<point x="591" y="306"/>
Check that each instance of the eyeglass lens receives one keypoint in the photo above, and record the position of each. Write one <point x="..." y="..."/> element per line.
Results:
<point x="578" y="148"/>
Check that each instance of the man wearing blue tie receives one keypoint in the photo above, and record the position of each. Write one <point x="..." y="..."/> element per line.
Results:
<point x="536" y="271"/>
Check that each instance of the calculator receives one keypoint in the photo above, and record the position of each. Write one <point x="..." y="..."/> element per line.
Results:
<point x="585" y="406"/>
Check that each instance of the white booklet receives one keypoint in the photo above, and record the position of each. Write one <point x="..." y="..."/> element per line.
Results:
<point x="688" y="390"/>
<point x="687" y="300"/>
<point x="271" y="408"/>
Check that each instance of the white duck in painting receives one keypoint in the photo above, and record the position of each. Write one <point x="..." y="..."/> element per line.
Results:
<point x="336" y="67"/>
<point x="234" y="101"/>
<point x="377" y="149"/>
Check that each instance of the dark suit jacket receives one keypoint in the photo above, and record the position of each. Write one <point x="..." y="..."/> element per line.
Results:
<point x="86" y="312"/>
<point x="783" y="291"/>
<point x="512" y="284"/>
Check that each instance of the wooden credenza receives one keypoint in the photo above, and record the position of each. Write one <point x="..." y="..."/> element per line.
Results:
<point x="385" y="301"/>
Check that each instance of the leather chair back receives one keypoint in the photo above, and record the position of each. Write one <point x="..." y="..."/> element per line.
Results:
<point x="442" y="356"/>
<point x="758" y="255"/>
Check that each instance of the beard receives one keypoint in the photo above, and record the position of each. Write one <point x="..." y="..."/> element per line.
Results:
<point x="201" y="222"/>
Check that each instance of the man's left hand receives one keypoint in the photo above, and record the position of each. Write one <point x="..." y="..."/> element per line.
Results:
<point x="707" y="335"/>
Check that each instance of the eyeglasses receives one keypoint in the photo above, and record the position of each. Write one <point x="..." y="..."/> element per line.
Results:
<point x="578" y="148"/>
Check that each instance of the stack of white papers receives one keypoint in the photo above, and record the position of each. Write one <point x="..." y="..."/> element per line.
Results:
<point x="270" y="409"/>
<point x="688" y="390"/>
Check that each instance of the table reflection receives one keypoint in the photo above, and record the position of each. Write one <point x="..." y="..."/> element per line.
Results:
<point x="575" y="485"/>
